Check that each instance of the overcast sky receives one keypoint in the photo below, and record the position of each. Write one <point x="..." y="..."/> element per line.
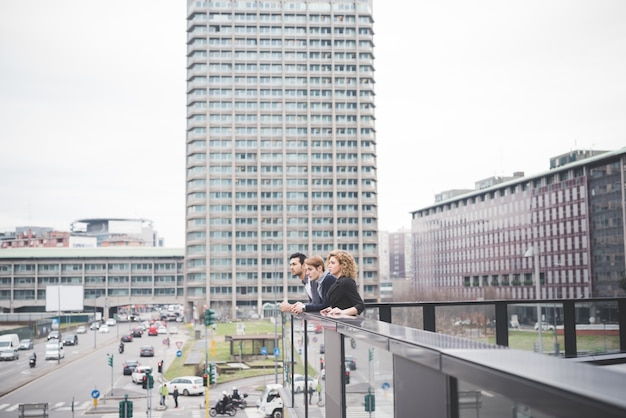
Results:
<point x="92" y="101"/>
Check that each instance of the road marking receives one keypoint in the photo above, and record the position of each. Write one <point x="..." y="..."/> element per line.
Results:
<point x="4" y="405"/>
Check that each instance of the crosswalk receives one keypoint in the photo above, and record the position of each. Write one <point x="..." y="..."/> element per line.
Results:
<point x="81" y="407"/>
<point x="58" y="406"/>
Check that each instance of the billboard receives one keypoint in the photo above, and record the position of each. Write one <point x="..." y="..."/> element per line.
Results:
<point x="64" y="298"/>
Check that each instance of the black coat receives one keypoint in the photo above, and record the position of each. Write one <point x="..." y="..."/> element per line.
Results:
<point x="329" y="280"/>
<point x="344" y="294"/>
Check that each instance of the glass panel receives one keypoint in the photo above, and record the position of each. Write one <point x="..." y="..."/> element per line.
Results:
<point x="476" y="402"/>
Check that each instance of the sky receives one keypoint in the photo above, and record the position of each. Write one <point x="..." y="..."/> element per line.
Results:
<point x="92" y="102"/>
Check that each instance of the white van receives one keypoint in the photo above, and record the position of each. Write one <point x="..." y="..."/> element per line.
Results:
<point x="10" y="341"/>
<point x="271" y="402"/>
<point x="54" y="350"/>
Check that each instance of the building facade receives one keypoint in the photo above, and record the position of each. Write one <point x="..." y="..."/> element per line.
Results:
<point x="281" y="146"/>
<point x="111" y="277"/>
<point x="473" y="246"/>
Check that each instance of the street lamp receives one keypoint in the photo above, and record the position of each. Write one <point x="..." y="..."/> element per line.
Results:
<point x="533" y="251"/>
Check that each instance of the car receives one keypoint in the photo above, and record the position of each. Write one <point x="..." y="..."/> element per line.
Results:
<point x="146" y="351"/>
<point x="172" y="330"/>
<point x="70" y="339"/>
<point x="54" y="351"/>
<point x="94" y="325"/>
<point x="140" y="371"/>
<point x="187" y="385"/>
<point x="161" y="330"/>
<point x="351" y="362"/>
<point x="9" y="353"/>
<point x="104" y="329"/>
<point x="544" y="326"/>
<point x="81" y="330"/>
<point x="54" y="335"/>
<point x="298" y="383"/>
<point x="127" y="338"/>
<point x="153" y="331"/>
<point x="137" y="333"/>
<point x="129" y="367"/>
<point x="111" y="322"/>
<point x="26" y="344"/>
<point x="322" y="349"/>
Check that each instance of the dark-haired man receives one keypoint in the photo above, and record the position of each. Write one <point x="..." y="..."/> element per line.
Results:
<point x="296" y="265"/>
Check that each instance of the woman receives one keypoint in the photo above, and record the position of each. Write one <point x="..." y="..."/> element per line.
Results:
<point x="343" y="296"/>
<point x="321" y="281"/>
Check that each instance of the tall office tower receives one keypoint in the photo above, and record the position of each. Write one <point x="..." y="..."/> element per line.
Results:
<point x="281" y="147"/>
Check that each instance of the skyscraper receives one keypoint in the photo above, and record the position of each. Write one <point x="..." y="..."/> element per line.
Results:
<point x="281" y="146"/>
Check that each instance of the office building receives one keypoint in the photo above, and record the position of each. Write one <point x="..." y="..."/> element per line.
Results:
<point x="473" y="245"/>
<point x="281" y="146"/>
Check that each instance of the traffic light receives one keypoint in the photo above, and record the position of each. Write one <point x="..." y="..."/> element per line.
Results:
<point x="160" y="366"/>
<point x="209" y="317"/>
<point x="212" y="378"/>
<point x="150" y="381"/>
<point x="144" y="381"/>
<point x="110" y="359"/>
<point x="129" y="409"/>
<point x="204" y="380"/>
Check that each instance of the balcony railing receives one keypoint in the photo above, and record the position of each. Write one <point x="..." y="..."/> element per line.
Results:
<point x="400" y="370"/>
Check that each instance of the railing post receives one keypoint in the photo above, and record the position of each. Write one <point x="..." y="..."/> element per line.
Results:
<point x="621" y="312"/>
<point x="384" y="313"/>
<point x="569" y="328"/>
<point x="429" y="318"/>
<point x="502" y="324"/>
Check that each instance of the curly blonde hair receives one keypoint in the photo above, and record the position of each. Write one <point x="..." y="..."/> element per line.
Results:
<point x="346" y="261"/>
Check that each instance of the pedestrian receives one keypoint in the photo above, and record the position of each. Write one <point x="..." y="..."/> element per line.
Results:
<point x="318" y="389"/>
<point x="311" y="392"/>
<point x="175" y="394"/>
<point x="343" y="295"/>
<point x="320" y="280"/>
<point x="164" y="391"/>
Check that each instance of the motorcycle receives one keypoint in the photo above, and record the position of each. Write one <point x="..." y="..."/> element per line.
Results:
<point x="352" y="343"/>
<point x="121" y="349"/>
<point x="229" y="410"/>
<point x="32" y="361"/>
<point x="241" y="403"/>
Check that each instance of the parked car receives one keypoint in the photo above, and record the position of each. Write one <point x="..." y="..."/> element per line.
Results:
<point x="54" y="335"/>
<point x="70" y="339"/>
<point x="129" y="367"/>
<point x="81" y="330"/>
<point x="140" y="371"/>
<point x="146" y="351"/>
<point x="127" y="338"/>
<point x="172" y="330"/>
<point x="544" y="326"/>
<point x="322" y="349"/>
<point x="111" y="322"/>
<point x="187" y="385"/>
<point x="298" y="383"/>
<point x="9" y="353"/>
<point x="351" y="362"/>
<point x="26" y="344"/>
<point x="103" y="329"/>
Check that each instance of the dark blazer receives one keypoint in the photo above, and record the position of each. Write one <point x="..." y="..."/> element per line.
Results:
<point x="329" y="280"/>
<point x="344" y="294"/>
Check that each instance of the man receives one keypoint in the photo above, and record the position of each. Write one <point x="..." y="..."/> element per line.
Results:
<point x="296" y="265"/>
<point x="175" y="394"/>
<point x="164" y="392"/>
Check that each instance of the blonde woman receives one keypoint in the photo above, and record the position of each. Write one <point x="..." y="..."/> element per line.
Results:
<point x="343" y="296"/>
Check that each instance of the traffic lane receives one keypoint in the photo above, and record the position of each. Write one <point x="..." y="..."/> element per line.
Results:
<point x="72" y="381"/>
<point x="17" y="373"/>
